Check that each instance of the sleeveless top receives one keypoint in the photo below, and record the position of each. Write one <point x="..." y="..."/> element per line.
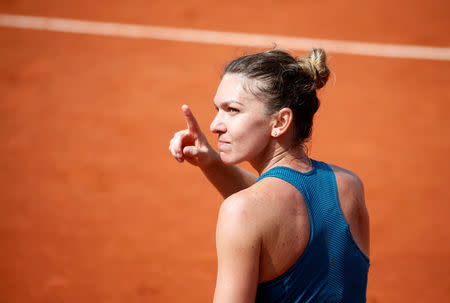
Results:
<point x="331" y="268"/>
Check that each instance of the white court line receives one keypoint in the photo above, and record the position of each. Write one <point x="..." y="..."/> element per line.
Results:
<point x="223" y="38"/>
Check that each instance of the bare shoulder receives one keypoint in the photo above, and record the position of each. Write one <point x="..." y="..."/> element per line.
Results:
<point x="251" y="198"/>
<point x="238" y="244"/>
<point x="237" y="214"/>
<point x="238" y="204"/>
<point x="254" y="207"/>
<point x="241" y="206"/>
<point x="350" y="190"/>
<point x="238" y="236"/>
<point x="352" y="201"/>
<point x="347" y="180"/>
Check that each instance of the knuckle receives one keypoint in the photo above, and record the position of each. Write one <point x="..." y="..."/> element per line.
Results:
<point x="182" y="132"/>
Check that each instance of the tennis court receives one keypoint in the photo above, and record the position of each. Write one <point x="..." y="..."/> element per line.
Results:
<point x="93" y="207"/>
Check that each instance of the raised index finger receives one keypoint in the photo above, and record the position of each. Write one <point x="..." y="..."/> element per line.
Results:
<point x="190" y="120"/>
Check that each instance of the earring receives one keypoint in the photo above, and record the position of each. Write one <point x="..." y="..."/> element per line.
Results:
<point x="275" y="133"/>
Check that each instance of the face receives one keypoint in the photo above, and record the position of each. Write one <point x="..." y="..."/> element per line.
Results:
<point x="242" y="126"/>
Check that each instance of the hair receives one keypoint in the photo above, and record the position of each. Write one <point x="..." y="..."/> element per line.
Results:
<point x="286" y="81"/>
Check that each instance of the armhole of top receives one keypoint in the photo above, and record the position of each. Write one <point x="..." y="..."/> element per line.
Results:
<point x="347" y="226"/>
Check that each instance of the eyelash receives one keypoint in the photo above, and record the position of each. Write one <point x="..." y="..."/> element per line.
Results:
<point x="229" y="109"/>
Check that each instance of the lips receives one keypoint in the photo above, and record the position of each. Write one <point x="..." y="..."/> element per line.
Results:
<point x="223" y="144"/>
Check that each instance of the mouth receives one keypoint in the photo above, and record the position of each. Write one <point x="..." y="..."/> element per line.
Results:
<point x="223" y="144"/>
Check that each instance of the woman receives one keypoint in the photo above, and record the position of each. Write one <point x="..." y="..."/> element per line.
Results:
<point x="300" y="231"/>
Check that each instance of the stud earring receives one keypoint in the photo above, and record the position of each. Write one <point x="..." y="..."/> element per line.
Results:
<point x="275" y="133"/>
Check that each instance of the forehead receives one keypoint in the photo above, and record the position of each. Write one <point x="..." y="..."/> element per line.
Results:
<point x="233" y="88"/>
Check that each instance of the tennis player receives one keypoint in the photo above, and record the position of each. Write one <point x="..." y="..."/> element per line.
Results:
<point x="299" y="231"/>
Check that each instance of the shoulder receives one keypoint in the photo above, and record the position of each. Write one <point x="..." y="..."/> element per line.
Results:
<point x="250" y="210"/>
<point x="236" y="213"/>
<point x="347" y="181"/>
<point x="240" y="209"/>
<point x="350" y="190"/>
<point x="238" y="244"/>
<point x="351" y="199"/>
<point x="238" y="232"/>
<point x="251" y="199"/>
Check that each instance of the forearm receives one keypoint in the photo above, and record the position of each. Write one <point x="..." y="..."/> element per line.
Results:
<point x="228" y="179"/>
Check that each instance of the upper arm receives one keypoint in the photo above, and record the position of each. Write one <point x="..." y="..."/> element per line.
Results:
<point x="238" y="248"/>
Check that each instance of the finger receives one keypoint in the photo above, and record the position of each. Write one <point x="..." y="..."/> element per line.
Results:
<point x="173" y="151"/>
<point x="190" y="151"/>
<point x="178" y="141"/>
<point x="190" y="120"/>
<point x="178" y="156"/>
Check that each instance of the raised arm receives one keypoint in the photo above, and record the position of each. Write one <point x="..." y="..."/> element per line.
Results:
<point x="191" y="145"/>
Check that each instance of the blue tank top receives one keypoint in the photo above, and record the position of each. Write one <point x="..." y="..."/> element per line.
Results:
<point x="331" y="268"/>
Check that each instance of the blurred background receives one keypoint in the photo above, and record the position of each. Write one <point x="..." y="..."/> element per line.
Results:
<point x="94" y="209"/>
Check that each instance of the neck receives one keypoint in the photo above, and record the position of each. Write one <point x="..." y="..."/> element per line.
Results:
<point x="279" y="155"/>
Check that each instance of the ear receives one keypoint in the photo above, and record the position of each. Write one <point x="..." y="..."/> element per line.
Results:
<point x="282" y="120"/>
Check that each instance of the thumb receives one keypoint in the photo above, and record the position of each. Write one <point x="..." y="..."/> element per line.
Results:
<point x="190" y="151"/>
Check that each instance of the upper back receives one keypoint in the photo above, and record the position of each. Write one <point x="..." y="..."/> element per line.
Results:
<point x="308" y="242"/>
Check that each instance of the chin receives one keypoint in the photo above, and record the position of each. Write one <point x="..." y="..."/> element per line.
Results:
<point x="227" y="159"/>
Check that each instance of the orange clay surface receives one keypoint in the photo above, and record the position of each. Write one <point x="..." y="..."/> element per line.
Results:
<point x="94" y="209"/>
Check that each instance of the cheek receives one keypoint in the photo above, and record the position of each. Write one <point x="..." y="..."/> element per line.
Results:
<point x="257" y="142"/>
<point x="255" y="136"/>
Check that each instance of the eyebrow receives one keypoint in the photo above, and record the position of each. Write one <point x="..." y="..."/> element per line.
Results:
<point x="228" y="103"/>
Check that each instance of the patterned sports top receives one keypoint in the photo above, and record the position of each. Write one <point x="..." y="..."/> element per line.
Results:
<point x="331" y="268"/>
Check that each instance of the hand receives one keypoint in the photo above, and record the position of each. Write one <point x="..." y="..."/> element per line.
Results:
<point x="191" y="144"/>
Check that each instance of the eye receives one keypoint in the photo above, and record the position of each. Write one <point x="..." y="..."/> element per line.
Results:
<point x="233" y="110"/>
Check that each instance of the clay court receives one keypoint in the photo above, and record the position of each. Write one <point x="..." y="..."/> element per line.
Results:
<point x="95" y="209"/>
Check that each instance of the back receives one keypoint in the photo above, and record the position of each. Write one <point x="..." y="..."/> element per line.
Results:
<point x="332" y="268"/>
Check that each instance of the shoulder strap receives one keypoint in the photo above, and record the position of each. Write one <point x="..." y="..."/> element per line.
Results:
<point x="318" y="187"/>
<point x="297" y="179"/>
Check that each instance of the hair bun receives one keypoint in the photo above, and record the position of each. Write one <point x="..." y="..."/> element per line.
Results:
<point x="314" y="65"/>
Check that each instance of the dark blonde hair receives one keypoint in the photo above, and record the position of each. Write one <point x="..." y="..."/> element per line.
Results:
<point x="286" y="81"/>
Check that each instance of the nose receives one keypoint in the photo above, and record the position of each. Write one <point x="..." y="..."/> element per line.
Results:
<point x="217" y="125"/>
